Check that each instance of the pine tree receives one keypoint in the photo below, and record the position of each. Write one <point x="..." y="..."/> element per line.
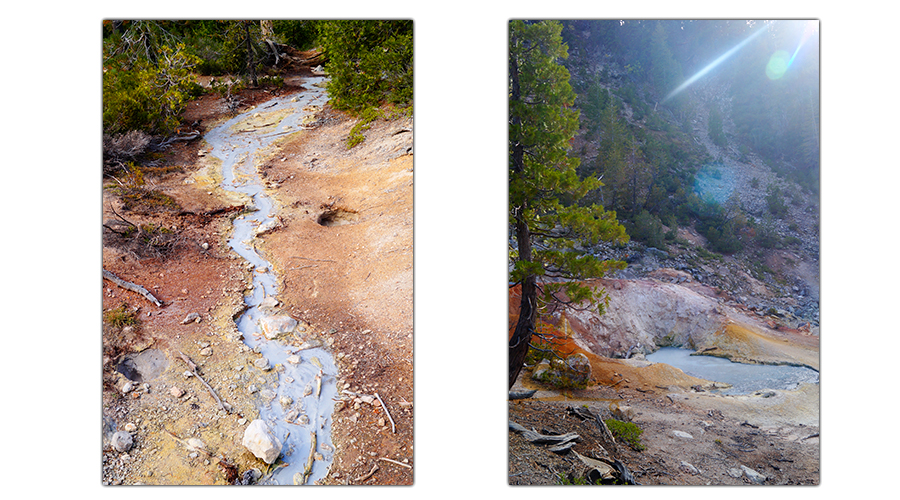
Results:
<point x="541" y="172"/>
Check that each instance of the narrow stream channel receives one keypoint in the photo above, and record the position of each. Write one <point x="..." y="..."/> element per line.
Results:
<point x="289" y="402"/>
<point x="744" y="378"/>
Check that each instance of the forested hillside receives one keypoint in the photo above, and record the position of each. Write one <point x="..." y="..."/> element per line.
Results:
<point x="705" y="135"/>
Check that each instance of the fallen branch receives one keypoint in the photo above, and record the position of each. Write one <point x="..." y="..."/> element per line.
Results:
<point x="395" y="462"/>
<point x="316" y="260"/>
<point x="132" y="287"/>
<point x="586" y="414"/>
<point x="535" y="437"/>
<point x="302" y="267"/>
<point x="170" y="140"/>
<point x="367" y="476"/>
<point x="393" y="427"/>
<point x="194" y="370"/>
<point x="520" y="395"/>
<point x="307" y="470"/>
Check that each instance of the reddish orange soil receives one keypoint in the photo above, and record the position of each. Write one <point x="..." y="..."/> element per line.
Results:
<point x="353" y="282"/>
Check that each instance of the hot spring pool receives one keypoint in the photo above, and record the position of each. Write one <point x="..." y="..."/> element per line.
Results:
<point x="744" y="378"/>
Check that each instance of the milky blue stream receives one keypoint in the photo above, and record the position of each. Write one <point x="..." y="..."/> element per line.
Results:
<point x="744" y="378"/>
<point x="238" y="149"/>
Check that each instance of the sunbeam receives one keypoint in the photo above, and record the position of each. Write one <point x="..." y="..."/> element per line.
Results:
<point x="808" y="31"/>
<point x="713" y="64"/>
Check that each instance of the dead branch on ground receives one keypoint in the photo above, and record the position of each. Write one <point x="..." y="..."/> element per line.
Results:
<point x="195" y="371"/>
<point x="132" y="287"/>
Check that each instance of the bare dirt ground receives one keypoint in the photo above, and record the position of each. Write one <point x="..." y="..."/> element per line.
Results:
<point x="773" y="433"/>
<point x="721" y="441"/>
<point x="351" y="282"/>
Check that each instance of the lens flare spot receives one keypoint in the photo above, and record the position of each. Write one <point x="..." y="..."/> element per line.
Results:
<point x="714" y="183"/>
<point x="778" y="65"/>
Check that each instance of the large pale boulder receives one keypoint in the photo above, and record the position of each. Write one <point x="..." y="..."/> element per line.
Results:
<point x="261" y="441"/>
<point x="277" y="325"/>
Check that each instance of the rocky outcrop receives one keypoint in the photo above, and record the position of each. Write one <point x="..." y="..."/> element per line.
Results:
<point x="643" y="315"/>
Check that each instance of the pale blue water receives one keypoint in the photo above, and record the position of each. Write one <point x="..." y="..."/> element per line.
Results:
<point x="744" y="378"/>
<point x="238" y="152"/>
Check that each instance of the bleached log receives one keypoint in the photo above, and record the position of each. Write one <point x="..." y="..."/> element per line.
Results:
<point x="132" y="287"/>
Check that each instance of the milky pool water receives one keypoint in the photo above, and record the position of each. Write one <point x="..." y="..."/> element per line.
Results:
<point x="281" y="400"/>
<point x="744" y="378"/>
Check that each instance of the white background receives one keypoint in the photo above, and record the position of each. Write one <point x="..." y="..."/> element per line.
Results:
<point x="51" y="122"/>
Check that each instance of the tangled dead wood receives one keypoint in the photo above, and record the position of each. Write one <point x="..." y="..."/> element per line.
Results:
<point x="140" y="240"/>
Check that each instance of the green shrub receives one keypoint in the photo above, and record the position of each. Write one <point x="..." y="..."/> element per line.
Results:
<point x="626" y="432"/>
<point x="120" y="316"/>
<point x="648" y="229"/>
<point x="144" y="96"/>
<point x="775" y="201"/>
<point x="369" y="62"/>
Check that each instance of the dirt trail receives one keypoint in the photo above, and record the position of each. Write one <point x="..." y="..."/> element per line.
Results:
<point x="357" y="296"/>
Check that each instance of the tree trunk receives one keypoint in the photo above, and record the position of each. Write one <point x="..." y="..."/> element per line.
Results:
<point x="251" y="67"/>
<point x="518" y="344"/>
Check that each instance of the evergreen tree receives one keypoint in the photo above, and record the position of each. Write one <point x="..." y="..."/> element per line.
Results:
<point x="541" y="124"/>
<point x="638" y="176"/>
<point x="716" y="129"/>
<point x="369" y="62"/>
<point x="612" y="154"/>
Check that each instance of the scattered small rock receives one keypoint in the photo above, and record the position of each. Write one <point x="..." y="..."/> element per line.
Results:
<point x="191" y="318"/>
<point x="689" y="468"/>
<point x="195" y="444"/>
<point x="754" y="476"/>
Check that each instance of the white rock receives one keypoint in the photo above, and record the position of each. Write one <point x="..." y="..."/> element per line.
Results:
<point x="270" y="302"/>
<point x="122" y="441"/>
<point x="623" y="413"/>
<point x="754" y="476"/>
<point x="195" y="444"/>
<point x="294" y="359"/>
<point x="191" y="318"/>
<point x="682" y="434"/>
<point x="689" y="468"/>
<point x="261" y="441"/>
<point x="273" y="326"/>
<point x="261" y="363"/>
